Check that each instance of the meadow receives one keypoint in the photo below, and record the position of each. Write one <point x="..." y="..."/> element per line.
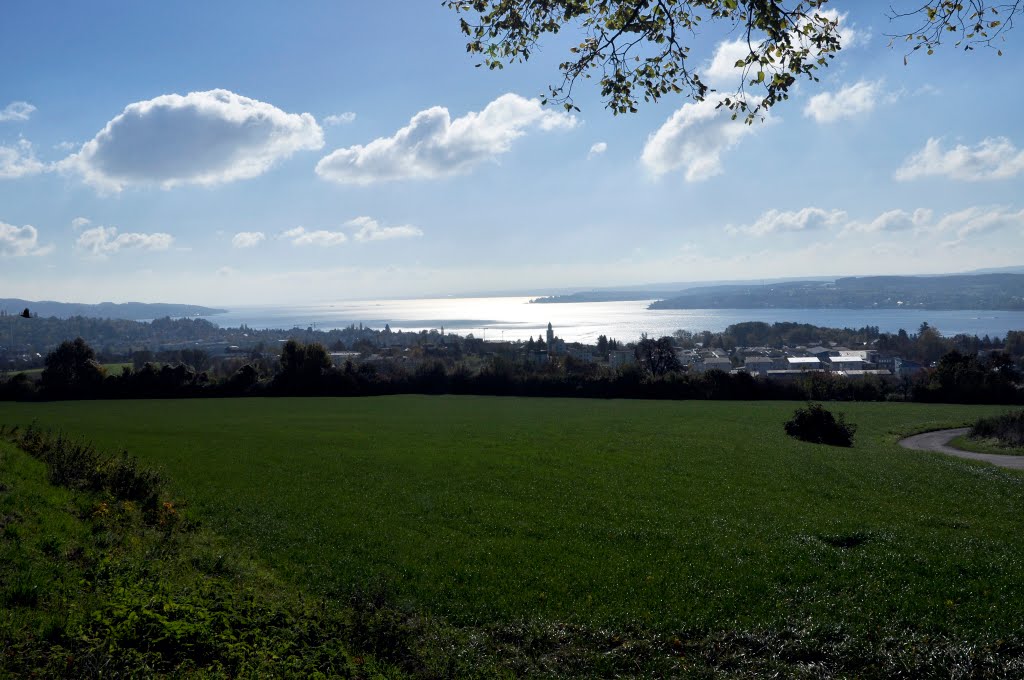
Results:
<point x="658" y="516"/>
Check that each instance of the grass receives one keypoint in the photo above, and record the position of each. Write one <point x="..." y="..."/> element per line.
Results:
<point x="1001" y="434"/>
<point x="697" y="524"/>
<point x="985" y="446"/>
<point x="91" y="585"/>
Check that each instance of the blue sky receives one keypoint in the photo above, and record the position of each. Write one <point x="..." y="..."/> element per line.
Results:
<point x="228" y="153"/>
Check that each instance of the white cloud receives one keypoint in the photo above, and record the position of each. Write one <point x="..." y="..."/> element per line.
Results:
<point x="849" y="35"/>
<point x="21" y="241"/>
<point x="694" y="138"/>
<point x="101" y="241"/>
<point x="19" y="161"/>
<point x="340" y="119"/>
<point x="893" y="221"/>
<point x="776" y="221"/>
<point x="202" y="138"/>
<point x="597" y="149"/>
<point x="993" y="159"/>
<point x="300" y="237"/>
<point x="368" y="229"/>
<point x="976" y="221"/>
<point x="922" y="223"/>
<point x="848" y="102"/>
<point x="80" y="222"/>
<point x="247" y="239"/>
<point x="433" y="145"/>
<point x="16" y="111"/>
<point x="721" y="71"/>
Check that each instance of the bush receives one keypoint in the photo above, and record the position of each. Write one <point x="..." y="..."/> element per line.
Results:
<point x="80" y="466"/>
<point x="1007" y="429"/>
<point x="816" y="424"/>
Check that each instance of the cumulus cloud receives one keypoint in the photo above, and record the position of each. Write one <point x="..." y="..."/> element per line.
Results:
<point x="21" y="241"/>
<point x="102" y="241"/>
<point x="247" y="239"/>
<point x="721" y="70"/>
<point x="847" y="102"/>
<point x="301" y="237"/>
<point x="849" y="34"/>
<point x="993" y="158"/>
<point x="433" y="145"/>
<point x="893" y="221"/>
<point x="779" y="221"/>
<point x="201" y="138"/>
<point x="956" y="227"/>
<point x="694" y="138"/>
<point x="80" y="222"/>
<point x="16" y="111"/>
<point x="368" y="229"/>
<point x="19" y="161"/>
<point x="597" y="149"/>
<point x="340" y="119"/>
<point x="976" y="221"/>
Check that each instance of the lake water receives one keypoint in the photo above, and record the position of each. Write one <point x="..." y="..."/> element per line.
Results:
<point x="512" y="318"/>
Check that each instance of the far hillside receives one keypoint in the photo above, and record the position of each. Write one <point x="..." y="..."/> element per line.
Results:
<point x="964" y="291"/>
<point x="132" y="311"/>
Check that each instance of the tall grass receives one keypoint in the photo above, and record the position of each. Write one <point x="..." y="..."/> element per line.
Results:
<point x="78" y="465"/>
<point x="1007" y="429"/>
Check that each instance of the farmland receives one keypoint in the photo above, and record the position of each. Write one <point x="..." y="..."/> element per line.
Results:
<point x="664" y="515"/>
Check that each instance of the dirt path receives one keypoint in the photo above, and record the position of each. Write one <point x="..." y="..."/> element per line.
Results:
<point x="939" y="441"/>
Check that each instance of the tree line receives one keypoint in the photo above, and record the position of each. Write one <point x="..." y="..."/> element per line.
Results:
<point x="306" y="369"/>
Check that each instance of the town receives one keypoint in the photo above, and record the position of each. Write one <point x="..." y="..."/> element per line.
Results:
<point x="761" y="360"/>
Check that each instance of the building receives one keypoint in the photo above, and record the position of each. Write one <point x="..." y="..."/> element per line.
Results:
<point x="621" y="357"/>
<point x="713" y="364"/>
<point x="907" y="367"/>
<point x="818" y="351"/>
<point x="758" y="365"/>
<point x="804" y="363"/>
<point x="786" y="374"/>
<point x="339" y="358"/>
<point x="846" y="362"/>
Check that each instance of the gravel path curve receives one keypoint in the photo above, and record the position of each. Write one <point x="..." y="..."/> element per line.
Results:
<point x="939" y="441"/>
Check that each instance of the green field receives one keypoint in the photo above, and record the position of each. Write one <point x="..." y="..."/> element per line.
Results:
<point x="662" y="516"/>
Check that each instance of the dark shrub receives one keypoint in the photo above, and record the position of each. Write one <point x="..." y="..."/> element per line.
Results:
<point x="1007" y="429"/>
<point x="817" y="424"/>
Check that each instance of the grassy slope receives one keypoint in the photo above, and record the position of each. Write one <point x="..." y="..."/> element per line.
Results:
<point x="88" y="589"/>
<point x="664" y="515"/>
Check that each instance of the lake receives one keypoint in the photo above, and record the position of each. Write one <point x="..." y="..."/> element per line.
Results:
<point x="514" y="318"/>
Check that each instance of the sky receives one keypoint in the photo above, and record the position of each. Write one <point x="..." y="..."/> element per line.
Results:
<point x="262" y="152"/>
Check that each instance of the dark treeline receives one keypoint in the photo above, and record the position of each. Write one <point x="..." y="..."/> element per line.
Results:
<point x="72" y="372"/>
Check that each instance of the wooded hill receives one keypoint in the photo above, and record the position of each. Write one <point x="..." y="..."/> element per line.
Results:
<point x="133" y="311"/>
<point x="964" y="291"/>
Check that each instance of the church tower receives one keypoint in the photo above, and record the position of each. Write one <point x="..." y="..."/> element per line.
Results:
<point x="551" y="338"/>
